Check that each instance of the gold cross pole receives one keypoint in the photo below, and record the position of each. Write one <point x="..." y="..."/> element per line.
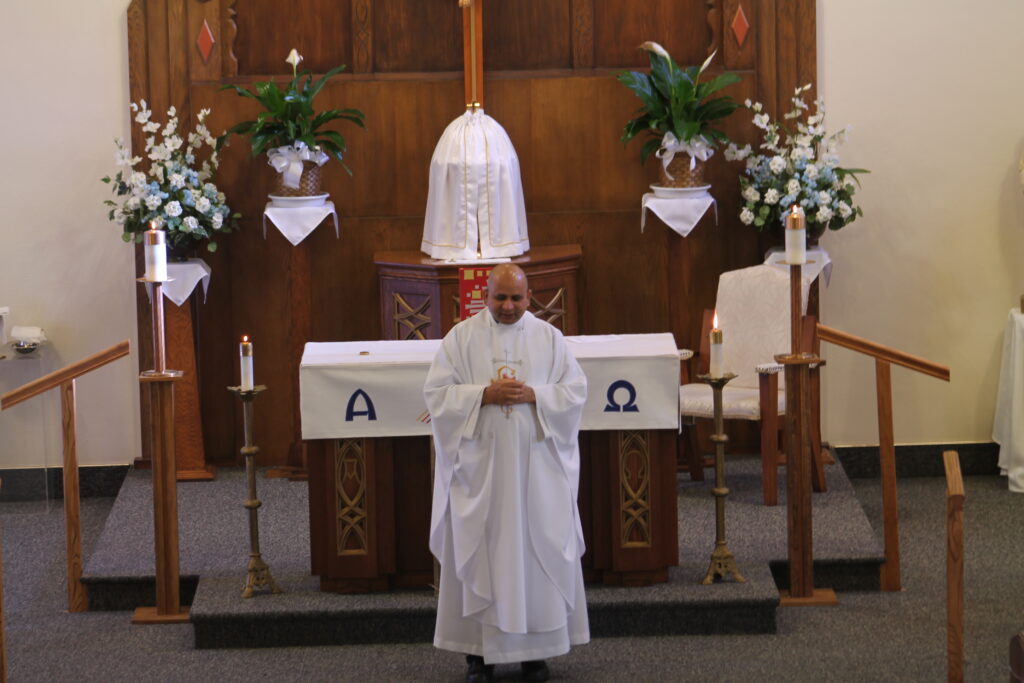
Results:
<point x="473" y="50"/>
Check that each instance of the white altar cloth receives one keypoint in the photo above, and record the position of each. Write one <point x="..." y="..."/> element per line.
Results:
<point x="1008" y="427"/>
<point x="375" y="388"/>
<point x="679" y="213"/>
<point x="184" y="276"/>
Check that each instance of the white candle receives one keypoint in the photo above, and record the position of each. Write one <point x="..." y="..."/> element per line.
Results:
<point x="156" y="254"/>
<point x="717" y="357"/>
<point x="796" y="237"/>
<point x="245" y="355"/>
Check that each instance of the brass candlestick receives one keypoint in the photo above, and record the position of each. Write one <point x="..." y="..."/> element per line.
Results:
<point x="258" y="573"/>
<point x="722" y="561"/>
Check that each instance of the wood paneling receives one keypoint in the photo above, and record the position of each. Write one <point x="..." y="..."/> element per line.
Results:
<point x="269" y="29"/>
<point x="556" y="98"/>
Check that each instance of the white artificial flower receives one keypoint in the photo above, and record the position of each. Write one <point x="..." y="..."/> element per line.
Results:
<point x="203" y="205"/>
<point x="793" y="186"/>
<point x="757" y="107"/>
<point x="761" y="121"/>
<point x="123" y="157"/>
<point x="210" y="188"/>
<point x="811" y="171"/>
<point x="143" y="116"/>
<point x="771" y="196"/>
<point x="746" y="216"/>
<point x="119" y="217"/>
<point x="824" y="198"/>
<point x="151" y="127"/>
<point x="177" y="181"/>
<point x="153" y="201"/>
<point x="824" y="215"/>
<point x="218" y="220"/>
<point x="133" y="203"/>
<point x="221" y="198"/>
<point x="137" y="179"/>
<point x="172" y="112"/>
<point x="173" y="209"/>
<point x="777" y="164"/>
<point x="747" y="103"/>
<point x="751" y="194"/>
<point x="844" y="209"/>
<point x="190" y="223"/>
<point x="172" y="143"/>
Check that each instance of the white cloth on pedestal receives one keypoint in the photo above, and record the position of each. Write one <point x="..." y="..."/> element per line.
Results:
<point x="295" y="223"/>
<point x="183" y="278"/>
<point x="504" y="522"/>
<point x="679" y="213"/>
<point x="475" y="199"/>
<point x="1008" y="427"/>
<point x="818" y="262"/>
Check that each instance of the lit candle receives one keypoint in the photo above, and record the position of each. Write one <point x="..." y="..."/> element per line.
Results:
<point x="245" y="354"/>
<point x="796" y="237"/>
<point x="717" y="351"/>
<point x="156" y="254"/>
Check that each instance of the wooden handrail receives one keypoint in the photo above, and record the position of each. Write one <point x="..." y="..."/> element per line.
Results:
<point x="65" y="374"/>
<point x="954" y="567"/>
<point x="885" y="353"/>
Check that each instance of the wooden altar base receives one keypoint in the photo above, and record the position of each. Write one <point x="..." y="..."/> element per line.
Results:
<point x="214" y="553"/>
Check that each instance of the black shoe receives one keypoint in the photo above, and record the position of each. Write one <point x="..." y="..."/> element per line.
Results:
<point x="535" y="671"/>
<point x="477" y="671"/>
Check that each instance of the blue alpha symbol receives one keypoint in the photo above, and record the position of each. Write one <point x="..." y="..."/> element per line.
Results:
<point x="368" y="411"/>
<point x="613" y="406"/>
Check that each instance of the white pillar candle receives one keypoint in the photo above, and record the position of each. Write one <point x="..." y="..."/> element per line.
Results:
<point x="245" y="355"/>
<point x="717" y="358"/>
<point x="155" y="250"/>
<point x="796" y="237"/>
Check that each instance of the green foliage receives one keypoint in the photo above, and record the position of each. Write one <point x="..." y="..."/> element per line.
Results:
<point x="676" y="101"/>
<point x="289" y="116"/>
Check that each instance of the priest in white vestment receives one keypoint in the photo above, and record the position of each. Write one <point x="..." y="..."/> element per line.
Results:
<point x="506" y="397"/>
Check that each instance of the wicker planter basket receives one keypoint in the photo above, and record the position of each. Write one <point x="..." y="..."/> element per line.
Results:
<point x="309" y="182"/>
<point x="682" y="176"/>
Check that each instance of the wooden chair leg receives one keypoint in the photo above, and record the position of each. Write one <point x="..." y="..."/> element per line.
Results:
<point x="769" y="387"/>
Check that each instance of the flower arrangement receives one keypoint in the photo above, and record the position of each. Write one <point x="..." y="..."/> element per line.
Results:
<point x="678" y="110"/>
<point x="172" y="194"/>
<point x="796" y="167"/>
<point x="290" y="130"/>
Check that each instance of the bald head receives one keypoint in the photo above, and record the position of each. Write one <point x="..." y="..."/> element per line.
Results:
<point x="507" y="293"/>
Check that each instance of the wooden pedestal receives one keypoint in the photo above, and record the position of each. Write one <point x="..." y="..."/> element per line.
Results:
<point x="369" y="510"/>
<point x="419" y="296"/>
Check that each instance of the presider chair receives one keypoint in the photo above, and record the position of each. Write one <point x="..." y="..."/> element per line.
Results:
<point x="753" y="314"/>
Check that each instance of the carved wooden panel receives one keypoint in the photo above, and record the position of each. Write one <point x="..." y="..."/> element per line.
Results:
<point x="350" y="484"/>
<point x="634" y="490"/>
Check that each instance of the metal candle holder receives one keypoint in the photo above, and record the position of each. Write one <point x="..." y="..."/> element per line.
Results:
<point x="258" y="573"/>
<point x="722" y="561"/>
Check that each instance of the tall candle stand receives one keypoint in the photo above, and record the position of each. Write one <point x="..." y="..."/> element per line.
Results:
<point x="165" y="493"/>
<point x="258" y="573"/>
<point x="722" y="561"/>
<point x="798" y="462"/>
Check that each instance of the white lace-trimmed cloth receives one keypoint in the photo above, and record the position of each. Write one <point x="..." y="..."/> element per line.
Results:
<point x="475" y="206"/>
<point x="296" y="223"/>
<point x="753" y="314"/>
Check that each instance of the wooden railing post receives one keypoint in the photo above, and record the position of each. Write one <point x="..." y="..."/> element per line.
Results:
<point x="954" y="568"/>
<point x="890" y="571"/>
<point x="78" y="600"/>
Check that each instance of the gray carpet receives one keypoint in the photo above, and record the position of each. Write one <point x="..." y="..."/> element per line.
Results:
<point x="870" y="636"/>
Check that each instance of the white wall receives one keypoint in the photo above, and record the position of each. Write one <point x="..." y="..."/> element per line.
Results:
<point x="934" y="92"/>
<point x="63" y="266"/>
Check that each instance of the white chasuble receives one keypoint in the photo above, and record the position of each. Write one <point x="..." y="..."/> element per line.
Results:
<point x="504" y="524"/>
<point x="475" y="198"/>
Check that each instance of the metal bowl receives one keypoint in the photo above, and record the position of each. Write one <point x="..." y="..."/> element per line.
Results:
<point x="25" y="347"/>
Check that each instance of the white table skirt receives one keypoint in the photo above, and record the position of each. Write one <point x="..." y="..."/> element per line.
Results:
<point x="369" y="389"/>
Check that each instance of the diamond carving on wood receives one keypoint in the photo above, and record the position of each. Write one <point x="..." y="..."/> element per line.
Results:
<point x="740" y="26"/>
<point x="205" y="41"/>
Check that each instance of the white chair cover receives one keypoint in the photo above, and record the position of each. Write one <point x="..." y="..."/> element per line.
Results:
<point x="475" y="200"/>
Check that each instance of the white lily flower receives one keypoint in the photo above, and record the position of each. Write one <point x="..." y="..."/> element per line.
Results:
<point x="657" y="49"/>
<point x="294" y="58"/>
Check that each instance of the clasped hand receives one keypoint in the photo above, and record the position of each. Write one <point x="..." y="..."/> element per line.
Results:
<point x="507" y="392"/>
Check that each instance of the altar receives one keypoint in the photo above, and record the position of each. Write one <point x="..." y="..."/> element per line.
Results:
<point x="367" y="430"/>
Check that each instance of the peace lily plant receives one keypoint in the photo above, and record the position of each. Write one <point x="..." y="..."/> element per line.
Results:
<point x="796" y="167"/>
<point x="678" y="111"/>
<point x="173" y="193"/>
<point x="289" y="129"/>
